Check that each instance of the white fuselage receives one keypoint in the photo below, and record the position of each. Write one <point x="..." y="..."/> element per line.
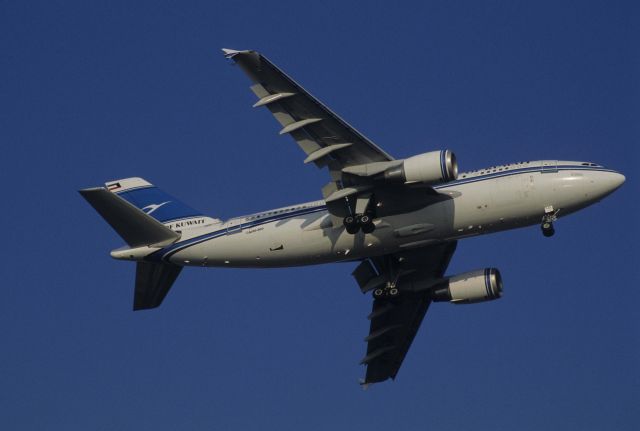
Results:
<point x="480" y="202"/>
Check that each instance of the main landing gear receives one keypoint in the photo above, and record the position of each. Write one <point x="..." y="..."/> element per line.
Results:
<point x="363" y="217"/>
<point x="390" y="290"/>
<point x="547" y="221"/>
<point x="360" y="221"/>
<point x="390" y="267"/>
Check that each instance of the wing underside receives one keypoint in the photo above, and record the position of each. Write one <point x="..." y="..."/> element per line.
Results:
<point x="325" y="137"/>
<point x="395" y="319"/>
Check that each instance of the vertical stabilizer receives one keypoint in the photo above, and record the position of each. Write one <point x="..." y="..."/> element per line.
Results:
<point x="159" y="204"/>
<point x="133" y="225"/>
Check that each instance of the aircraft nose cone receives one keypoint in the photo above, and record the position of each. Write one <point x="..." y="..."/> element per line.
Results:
<point x="616" y="180"/>
<point x="608" y="183"/>
<point x="613" y="181"/>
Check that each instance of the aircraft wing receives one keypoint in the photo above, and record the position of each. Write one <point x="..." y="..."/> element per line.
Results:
<point x="328" y="141"/>
<point x="322" y="134"/>
<point x="395" y="319"/>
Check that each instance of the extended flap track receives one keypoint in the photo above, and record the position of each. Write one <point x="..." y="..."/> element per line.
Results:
<point x="375" y="354"/>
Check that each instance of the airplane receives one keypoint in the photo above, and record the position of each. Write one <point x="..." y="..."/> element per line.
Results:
<point x="398" y="219"/>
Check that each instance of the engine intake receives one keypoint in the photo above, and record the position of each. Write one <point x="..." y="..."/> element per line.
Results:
<point x="475" y="286"/>
<point x="430" y="168"/>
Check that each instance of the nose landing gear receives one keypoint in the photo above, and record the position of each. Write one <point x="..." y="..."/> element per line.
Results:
<point x="547" y="228"/>
<point x="550" y="215"/>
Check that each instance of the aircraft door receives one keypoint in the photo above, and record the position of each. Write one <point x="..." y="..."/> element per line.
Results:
<point x="234" y="227"/>
<point x="528" y="186"/>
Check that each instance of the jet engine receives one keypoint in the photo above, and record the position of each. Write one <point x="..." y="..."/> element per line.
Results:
<point x="475" y="286"/>
<point x="429" y="168"/>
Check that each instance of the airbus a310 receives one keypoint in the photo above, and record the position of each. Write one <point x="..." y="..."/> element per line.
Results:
<point x="398" y="219"/>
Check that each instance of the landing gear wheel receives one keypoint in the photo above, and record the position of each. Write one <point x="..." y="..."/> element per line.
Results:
<point x="366" y="223"/>
<point x="368" y="227"/>
<point x="389" y="291"/>
<point x="353" y="229"/>
<point x="360" y="221"/>
<point x="547" y="229"/>
<point x="351" y="224"/>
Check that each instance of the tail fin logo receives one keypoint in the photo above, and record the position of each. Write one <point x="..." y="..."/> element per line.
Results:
<point x="152" y="207"/>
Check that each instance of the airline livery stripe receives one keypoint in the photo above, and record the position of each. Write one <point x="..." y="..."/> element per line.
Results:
<point x="515" y="172"/>
<point x="171" y="250"/>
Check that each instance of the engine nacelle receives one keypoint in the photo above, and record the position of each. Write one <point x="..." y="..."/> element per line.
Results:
<point x="429" y="168"/>
<point x="475" y="286"/>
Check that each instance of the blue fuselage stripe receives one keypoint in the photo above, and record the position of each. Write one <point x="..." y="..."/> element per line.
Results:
<point x="169" y="251"/>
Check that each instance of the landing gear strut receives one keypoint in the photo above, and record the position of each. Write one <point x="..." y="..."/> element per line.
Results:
<point x="547" y="221"/>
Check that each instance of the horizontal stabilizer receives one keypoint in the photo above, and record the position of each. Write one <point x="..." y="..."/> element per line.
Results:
<point x="134" y="226"/>
<point x="153" y="281"/>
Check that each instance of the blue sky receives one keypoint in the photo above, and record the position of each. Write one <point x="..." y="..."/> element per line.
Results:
<point x="94" y="91"/>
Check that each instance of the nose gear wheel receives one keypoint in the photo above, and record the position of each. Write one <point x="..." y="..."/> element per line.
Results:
<point x="550" y="215"/>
